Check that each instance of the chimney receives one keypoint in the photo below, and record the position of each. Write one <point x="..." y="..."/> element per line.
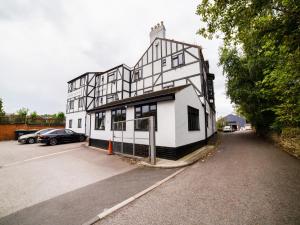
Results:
<point x="158" y="30"/>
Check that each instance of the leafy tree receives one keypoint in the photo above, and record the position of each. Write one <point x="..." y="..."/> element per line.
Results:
<point x="59" y="116"/>
<point x="2" y="113"/>
<point x="33" y="115"/>
<point x="260" y="57"/>
<point x="23" y="112"/>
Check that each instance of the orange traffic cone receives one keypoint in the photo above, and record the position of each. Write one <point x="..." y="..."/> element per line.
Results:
<point x="110" y="150"/>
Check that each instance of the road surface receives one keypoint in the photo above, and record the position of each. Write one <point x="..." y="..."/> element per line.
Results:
<point x="246" y="181"/>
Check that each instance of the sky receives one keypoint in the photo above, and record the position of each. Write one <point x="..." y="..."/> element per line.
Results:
<point x="46" y="43"/>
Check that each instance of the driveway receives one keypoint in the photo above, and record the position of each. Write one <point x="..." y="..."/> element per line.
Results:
<point x="247" y="181"/>
<point x="64" y="184"/>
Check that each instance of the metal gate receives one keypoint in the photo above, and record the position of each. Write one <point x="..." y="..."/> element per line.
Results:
<point x="129" y="140"/>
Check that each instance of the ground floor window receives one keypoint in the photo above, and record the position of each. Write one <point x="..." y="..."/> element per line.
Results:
<point x="70" y="123"/>
<point x="193" y="119"/>
<point x="145" y="111"/>
<point x="79" y="123"/>
<point x="100" y="121"/>
<point x="118" y="115"/>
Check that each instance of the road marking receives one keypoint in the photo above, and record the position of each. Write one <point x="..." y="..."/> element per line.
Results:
<point x="131" y="199"/>
<point x="38" y="157"/>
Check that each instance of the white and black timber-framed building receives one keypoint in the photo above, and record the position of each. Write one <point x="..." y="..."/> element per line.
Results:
<point x="171" y="81"/>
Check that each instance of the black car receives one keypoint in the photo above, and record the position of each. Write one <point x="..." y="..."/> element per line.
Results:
<point x="57" y="136"/>
<point x="32" y="138"/>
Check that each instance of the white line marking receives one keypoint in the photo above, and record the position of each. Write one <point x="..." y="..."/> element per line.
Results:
<point x="39" y="157"/>
<point x="131" y="199"/>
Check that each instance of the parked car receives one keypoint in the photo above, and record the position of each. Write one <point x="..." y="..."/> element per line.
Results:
<point x="227" y="129"/>
<point x="32" y="138"/>
<point x="58" y="136"/>
<point x="248" y="127"/>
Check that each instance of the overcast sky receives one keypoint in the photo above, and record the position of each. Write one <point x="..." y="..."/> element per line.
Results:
<point x="45" y="43"/>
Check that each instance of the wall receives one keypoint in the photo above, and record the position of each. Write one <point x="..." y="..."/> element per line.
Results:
<point x="74" y="117"/>
<point x="7" y="131"/>
<point x="165" y="134"/>
<point x="184" y="98"/>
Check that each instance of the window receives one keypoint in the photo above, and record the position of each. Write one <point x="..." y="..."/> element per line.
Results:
<point x="59" y="132"/>
<point x="100" y="121"/>
<point x="193" y="119"/>
<point x="70" y="123"/>
<point x="69" y="131"/>
<point x="102" y="79"/>
<point x="111" y="77"/>
<point x="111" y="98"/>
<point x="118" y="115"/>
<point x="82" y="79"/>
<point x="137" y="74"/>
<point x="72" y="86"/>
<point x="71" y="104"/>
<point x="98" y="81"/>
<point x="80" y="102"/>
<point x="177" y="60"/>
<point x="79" y="123"/>
<point x="145" y="111"/>
<point x="164" y="61"/>
<point x="206" y="119"/>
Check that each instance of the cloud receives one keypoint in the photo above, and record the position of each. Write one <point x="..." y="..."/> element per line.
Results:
<point x="46" y="43"/>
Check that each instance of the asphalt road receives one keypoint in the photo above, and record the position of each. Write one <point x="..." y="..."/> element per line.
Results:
<point x="246" y="181"/>
<point x="65" y="184"/>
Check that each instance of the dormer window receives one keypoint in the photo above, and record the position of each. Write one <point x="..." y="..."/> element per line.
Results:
<point x="177" y="60"/>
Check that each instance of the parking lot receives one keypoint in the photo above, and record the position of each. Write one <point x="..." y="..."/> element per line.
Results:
<point x="47" y="178"/>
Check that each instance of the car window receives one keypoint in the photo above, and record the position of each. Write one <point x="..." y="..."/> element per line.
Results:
<point x="69" y="132"/>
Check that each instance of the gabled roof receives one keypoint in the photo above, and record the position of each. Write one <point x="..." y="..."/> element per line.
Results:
<point x="162" y="95"/>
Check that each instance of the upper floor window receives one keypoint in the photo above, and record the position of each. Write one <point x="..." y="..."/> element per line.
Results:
<point x="137" y="74"/>
<point x="118" y="119"/>
<point x="163" y="61"/>
<point x="82" y="80"/>
<point x="145" y="111"/>
<point x="72" y="86"/>
<point x="111" y="77"/>
<point x="177" y="60"/>
<point x="100" y="121"/>
<point x="193" y="119"/>
<point x="80" y="102"/>
<point x="71" y="104"/>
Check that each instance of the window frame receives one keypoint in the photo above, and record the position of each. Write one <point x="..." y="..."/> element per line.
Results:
<point x="112" y="74"/>
<point x="176" y="57"/>
<point x="193" y="119"/>
<point x="103" y="117"/>
<point x="80" y="102"/>
<point x="70" y="123"/>
<point x="141" y="115"/>
<point x="81" y="81"/>
<point x="139" y="76"/>
<point x="79" y="123"/>
<point x="114" y="114"/>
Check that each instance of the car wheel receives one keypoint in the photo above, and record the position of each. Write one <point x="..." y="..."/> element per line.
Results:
<point x="81" y="138"/>
<point x="53" y="141"/>
<point x="31" y="140"/>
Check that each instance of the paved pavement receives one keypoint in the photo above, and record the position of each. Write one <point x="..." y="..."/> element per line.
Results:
<point x="246" y="181"/>
<point x="65" y="184"/>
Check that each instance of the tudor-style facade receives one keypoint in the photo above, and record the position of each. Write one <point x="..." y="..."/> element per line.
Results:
<point x="169" y="75"/>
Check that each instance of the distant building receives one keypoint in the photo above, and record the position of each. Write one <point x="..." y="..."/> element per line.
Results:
<point x="171" y="81"/>
<point x="236" y="122"/>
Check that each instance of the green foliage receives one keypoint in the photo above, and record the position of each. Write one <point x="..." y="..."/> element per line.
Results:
<point x="221" y="123"/>
<point x="23" y="112"/>
<point x="2" y="113"/>
<point x="33" y="115"/>
<point x="260" y="57"/>
<point x="59" y="116"/>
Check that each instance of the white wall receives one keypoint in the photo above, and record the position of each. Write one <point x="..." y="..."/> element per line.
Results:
<point x="184" y="98"/>
<point x="74" y="117"/>
<point x="165" y="134"/>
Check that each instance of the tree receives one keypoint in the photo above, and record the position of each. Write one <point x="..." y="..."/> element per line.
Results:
<point x="33" y="115"/>
<point x="23" y="112"/>
<point x="259" y="57"/>
<point x="59" y="116"/>
<point x="2" y="113"/>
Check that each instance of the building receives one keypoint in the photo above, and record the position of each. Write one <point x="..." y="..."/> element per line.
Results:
<point x="170" y="81"/>
<point x="236" y="122"/>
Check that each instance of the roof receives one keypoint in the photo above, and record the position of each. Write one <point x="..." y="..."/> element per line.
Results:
<point x="162" y="95"/>
<point x="82" y="75"/>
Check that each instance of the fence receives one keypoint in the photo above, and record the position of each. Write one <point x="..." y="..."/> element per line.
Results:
<point x="15" y="119"/>
<point x="126" y="141"/>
